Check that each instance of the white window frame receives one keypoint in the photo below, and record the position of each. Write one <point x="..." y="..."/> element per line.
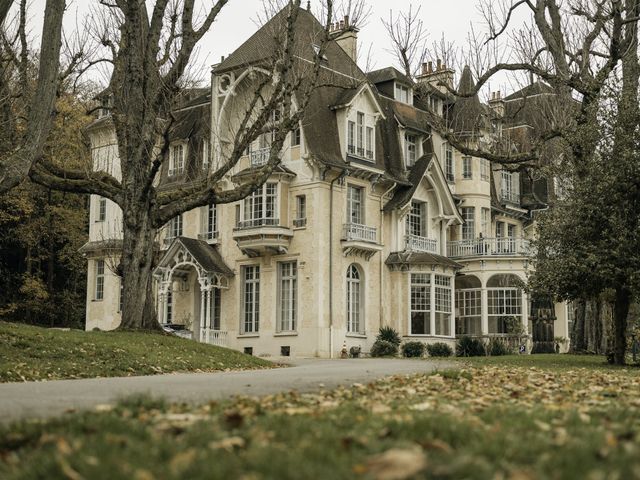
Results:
<point x="250" y="317"/>
<point x="361" y="136"/>
<point x="443" y="305"/>
<point x="98" y="294"/>
<point x="410" y="149"/>
<point x="102" y="209"/>
<point x="449" y="163"/>
<point x="503" y="302"/>
<point x="177" y="163"/>
<point x="209" y="224"/>
<point x="420" y="281"/>
<point x="206" y="158"/>
<point x="175" y="227"/>
<point x="485" y="167"/>
<point x="467" y="167"/>
<point x="485" y="221"/>
<point x="402" y="93"/>
<point x="287" y="296"/>
<point x="262" y="206"/>
<point x="469" y="309"/>
<point x="355" y="205"/>
<point x="416" y="223"/>
<point x="469" y="225"/>
<point x="355" y="300"/>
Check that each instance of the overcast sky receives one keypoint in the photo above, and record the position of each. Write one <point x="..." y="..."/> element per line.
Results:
<point x="237" y="22"/>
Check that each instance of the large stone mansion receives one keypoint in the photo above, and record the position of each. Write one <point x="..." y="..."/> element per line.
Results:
<point x="371" y="219"/>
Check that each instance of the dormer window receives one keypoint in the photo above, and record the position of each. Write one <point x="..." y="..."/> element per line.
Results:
<point x="316" y="49"/>
<point x="177" y="153"/>
<point x="403" y="94"/>
<point x="410" y="149"/>
<point x="361" y="136"/>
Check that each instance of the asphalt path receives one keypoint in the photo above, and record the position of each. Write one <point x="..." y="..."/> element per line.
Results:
<point x="52" y="398"/>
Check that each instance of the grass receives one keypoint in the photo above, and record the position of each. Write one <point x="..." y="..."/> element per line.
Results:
<point x="34" y="353"/>
<point x="553" y="362"/>
<point x="546" y="417"/>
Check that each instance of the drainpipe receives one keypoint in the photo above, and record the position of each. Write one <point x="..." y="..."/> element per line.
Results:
<point x="339" y="177"/>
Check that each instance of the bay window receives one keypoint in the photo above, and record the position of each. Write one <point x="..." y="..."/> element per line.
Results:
<point x="467" y="168"/>
<point x="260" y="208"/>
<point x="420" y="304"/>
<point x="443" y="305"/>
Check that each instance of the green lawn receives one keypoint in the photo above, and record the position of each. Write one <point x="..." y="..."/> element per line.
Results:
<point x="534" y="417"/>
<point x="33" y="353"/>
<point x="555" y="362"/>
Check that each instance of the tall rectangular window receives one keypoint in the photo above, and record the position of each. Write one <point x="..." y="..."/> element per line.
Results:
<point x="355" y="208"/>
<point x="288" y="287"/>
<point x="469" y="225"/>
<point x="420" y="304"/>
<point x="484" y="169"/>
<point x="251" y="299"/>
<point x="510" y="190"/>
<point x="102" y="209"/>
<point x="402" y="93"/>
<point x="215" y="309"/>
<point x="176" y="159"/>
<point x="485" y="221"/>
<point x="351" y="137"/>
<point x="169" y="306"/>
<point x="467" y="168"/>
<point x="443" y="305"/>
<point x="503" y="303"/>
<point x="209" y="224"/>
<point x="295" y="137"/>
<point x="260" y="208"/>
<point x="205" y="154"/>
<point x="301" y="211"/>
<point x="175" y="227"/>
<point x="417" y="219"/>
<point x="99" y="291"/>
<point x="360" y="133"/>
<point x="369" y="151"/>
<point x="469" y="308"/>
<point x="410" y="149"/>
<point x="448" y="163"/>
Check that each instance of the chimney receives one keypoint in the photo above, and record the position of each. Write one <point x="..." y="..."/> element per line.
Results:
<point x="441" y="74"/>
<point x="346" y="36"/>
<point x="497" y="105"/>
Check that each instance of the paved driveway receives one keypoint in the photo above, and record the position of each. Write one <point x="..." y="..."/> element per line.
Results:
<point x="42" y="399"/>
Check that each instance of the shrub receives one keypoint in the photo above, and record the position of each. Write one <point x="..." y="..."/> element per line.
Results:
<point x="389" y="334"/>
<point x="413" y="349"/>
<point x="470" y="347"/>
<point x="439" y="349"/>
<point x="383" y="348"/>
<point x="498" y="348"/>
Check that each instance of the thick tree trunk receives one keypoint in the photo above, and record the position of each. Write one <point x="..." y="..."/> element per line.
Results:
<point x="137" y="262"/>
<point x="577" y="341"/>
<point x="620" y="313"/>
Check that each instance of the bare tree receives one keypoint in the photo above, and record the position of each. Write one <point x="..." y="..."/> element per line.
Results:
<point x="408" y="35"/>
<point x="150" y="51"/>
<point x="19" y="151"/>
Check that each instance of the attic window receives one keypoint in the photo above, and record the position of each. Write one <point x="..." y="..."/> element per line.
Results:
<point x="316" y="49"/>
<point x="403" y="93"/>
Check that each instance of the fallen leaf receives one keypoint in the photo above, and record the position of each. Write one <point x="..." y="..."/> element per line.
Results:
<point x="397" y="463"/>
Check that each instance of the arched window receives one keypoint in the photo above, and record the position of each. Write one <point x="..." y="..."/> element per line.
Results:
<point x="355" y="324"/>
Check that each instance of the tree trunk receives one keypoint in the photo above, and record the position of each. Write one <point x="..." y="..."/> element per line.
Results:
<point x="620" y="313"/>
<point x="137" y="262"/>
<point x="577" y="341"/>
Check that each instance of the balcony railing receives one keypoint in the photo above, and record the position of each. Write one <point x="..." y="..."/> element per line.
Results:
<point x="421" y="244"/>
<point x="213" y="337"/>
<point x="208" y="236"/>
<point x="357" y="232"/>
<point x="260" y="156"/>
<point x="258" y="222"/>
<point x="510" y="196"/>
<point x="299" y="222"/>
<point x="488" y="247"/>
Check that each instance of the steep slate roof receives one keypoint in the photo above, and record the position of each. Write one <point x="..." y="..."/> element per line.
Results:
<point x="403" y="194"/>
<point x="388" y="74"/>
<point x="207" y="256"/>
<point x="535" y="88"/>
<point x="468" y="115"/>
<point x="405" y="259"/>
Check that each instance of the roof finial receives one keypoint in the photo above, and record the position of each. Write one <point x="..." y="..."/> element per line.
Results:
<point x="308" y="5"/>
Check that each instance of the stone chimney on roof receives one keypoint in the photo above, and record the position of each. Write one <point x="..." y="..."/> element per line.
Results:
<point x="436" y="75"/>
<point x="496" y="103"/>
<point x="346" y="35"/>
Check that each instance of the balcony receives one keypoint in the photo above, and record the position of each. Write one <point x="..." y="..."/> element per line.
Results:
<point x="510" y="196"/>
<point x="360" y="240"/>
<point x="213" y="337"/>
<point x="210" y="237"/>
<point x="488" y="247"/>
<point x="417" y="243"/>
<point x="260" y="156"/>
<point x="260" y="236"/>
<point x="299" y="222"/>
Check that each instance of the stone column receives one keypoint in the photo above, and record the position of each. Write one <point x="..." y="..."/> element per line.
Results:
<point x="484" y="309"/>
<point x="432" y="292"/>
<point x="202" y="310"/>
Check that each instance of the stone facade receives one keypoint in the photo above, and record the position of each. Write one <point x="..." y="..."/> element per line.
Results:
<point x="396" y="230"/>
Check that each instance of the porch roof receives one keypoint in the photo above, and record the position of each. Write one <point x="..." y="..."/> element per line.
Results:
<point x="408" y="258"/>
<point x="207" y="256"/>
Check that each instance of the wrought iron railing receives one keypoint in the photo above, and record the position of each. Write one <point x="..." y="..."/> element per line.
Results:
<point x="488" y="247"/>
<point x="260" y="156"/>
<point x="510" y="196"/>
<point x="258" y="222"/>
<point x="421" y="244"/>
<point x="299" y="222"/>
<point x="357" y="232"/>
